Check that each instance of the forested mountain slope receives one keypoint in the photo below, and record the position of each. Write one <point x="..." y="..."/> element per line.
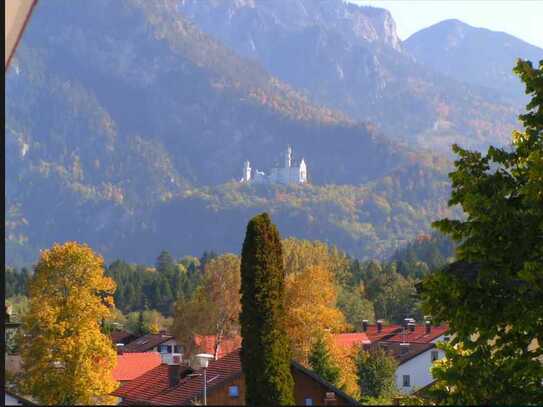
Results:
<point x="119" y="113"/>
<point x="350" y="58"/>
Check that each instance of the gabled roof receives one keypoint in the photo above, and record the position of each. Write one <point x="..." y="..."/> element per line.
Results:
<point x="326" y="384"/>
<point x="153" y="387"/>
<point x="190" y="387"/>
<point x="419" y="335"/>
<point x="121" y="337"/>
<point x="132" y="365"/>
<point x="147" y="342"/>
<point x="145" y="387"/>
<point x="347" y="340"/>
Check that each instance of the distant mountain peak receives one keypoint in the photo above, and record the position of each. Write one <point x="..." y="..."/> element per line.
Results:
<point x="475" y="55"/>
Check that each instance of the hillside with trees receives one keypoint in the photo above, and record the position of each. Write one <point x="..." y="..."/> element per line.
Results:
<point x="350" y="58"/>
<point x="144" y="118"/>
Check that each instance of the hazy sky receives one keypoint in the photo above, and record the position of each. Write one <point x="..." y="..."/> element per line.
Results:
<point x="521" y="18"/>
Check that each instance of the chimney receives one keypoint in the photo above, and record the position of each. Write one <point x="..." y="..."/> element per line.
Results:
<point x="404" y="348"/>
<point x="120" y="348"/>
<point x="174" y="374"/>
<point x="428" y="325"/>
<point x="411" y="326"/>
<point x="365" y="325"/>
<point x="379" y="325"/>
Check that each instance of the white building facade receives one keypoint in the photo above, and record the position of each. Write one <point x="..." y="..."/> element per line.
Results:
<point x="290" y="173"/>
<point x="414" y="373"/>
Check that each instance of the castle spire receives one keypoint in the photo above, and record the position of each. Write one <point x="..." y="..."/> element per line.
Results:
<point x="288" y="157"/>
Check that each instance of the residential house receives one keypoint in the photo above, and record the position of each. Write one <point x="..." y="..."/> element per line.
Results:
<point x="171" y="384"/>
<point x="415" y="350"/>
<point x="412" y="345"/>
<point x="163" y="343"/>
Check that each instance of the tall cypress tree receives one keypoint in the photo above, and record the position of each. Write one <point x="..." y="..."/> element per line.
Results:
<point x="265" y="355"/>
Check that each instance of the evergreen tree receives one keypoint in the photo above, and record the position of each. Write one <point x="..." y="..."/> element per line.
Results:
<point x="165" y="263"/>
<point x="141" y="327"/>
<point x="321" y="362"/>
<point x="265" y="355"/>
<point x="376" y="372"/>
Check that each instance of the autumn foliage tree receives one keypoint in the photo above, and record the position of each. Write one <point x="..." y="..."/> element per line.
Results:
<point x="214" y="308"/>
<point x="66" y="358"/>
<point x="265" y="355"/>
<point x="492" y="296"/>
<point x="310" y="304"/>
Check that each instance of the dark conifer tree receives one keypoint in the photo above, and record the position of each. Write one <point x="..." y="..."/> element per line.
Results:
<point x="321" y="362"/>
<point x="165" y="262"/>
<point x="265" y="355"/>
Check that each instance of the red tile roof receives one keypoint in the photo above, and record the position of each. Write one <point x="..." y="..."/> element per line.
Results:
<point x="419" y="335"/>
<point x="206" y="344"/>
<point x="218" y="371"/>
<point x="386" y="331"/>
<point x="132" y="365"/>
<point x="347" y="340"/>
<point x="146" y="386"/>
<point x="153" y="387"/>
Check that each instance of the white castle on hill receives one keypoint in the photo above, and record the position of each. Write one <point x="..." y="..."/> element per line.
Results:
<point x="290" y="173"/>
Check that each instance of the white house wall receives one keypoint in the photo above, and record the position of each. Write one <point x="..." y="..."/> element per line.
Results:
<point x="166" y="357"/>
<point x="418" y="369"/>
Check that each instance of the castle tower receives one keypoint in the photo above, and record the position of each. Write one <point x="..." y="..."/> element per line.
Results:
<point x="303" y="172"/>
<point x="246" y="172"/>
<point x="288" y="157"/>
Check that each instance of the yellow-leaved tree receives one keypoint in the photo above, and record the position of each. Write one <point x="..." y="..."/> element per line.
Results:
<point x="66" y="358"/>
<point x="310" y="304"/>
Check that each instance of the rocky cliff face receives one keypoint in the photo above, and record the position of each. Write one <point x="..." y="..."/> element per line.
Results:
<point x="350" y="58"/>
<point x="250" y="20"/>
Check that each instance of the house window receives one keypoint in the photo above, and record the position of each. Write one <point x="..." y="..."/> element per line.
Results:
<point x="308" y="402"/>
<point x="233" y="391"/>
<point x="406" y="380"/>
<point x="177" y="349"/>
<point x="165" y="349"/>
<point x="435" y="355"/>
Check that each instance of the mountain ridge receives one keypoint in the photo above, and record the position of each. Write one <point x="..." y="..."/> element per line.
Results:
<point x="132" y="120"/>
<point x="459" y="50"/>
<point x="342" y="56"/>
